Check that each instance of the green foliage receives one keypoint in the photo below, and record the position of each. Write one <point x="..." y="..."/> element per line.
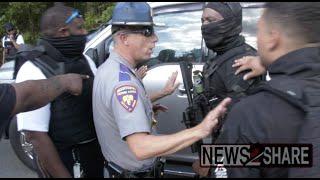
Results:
<point x="98" y="14"/>
<point x="26" y="15"/>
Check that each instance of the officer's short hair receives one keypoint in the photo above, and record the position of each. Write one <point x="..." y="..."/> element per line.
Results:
<point x="299" y="20"/>
<point x="115" y="29"/>
<point x="54" y="18"/>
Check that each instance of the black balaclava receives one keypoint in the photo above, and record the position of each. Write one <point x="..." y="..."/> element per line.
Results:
<point x="224" y="35"/>
<point x="71" y="46"/>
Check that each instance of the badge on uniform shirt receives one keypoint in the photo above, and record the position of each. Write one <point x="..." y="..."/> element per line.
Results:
<point x="127" y="95"/>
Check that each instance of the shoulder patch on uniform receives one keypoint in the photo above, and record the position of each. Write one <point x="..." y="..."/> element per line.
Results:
<point x="127" y="96"/>
<point x="124" y="74"/>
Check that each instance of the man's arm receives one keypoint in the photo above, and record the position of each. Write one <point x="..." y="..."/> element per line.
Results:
<point x="47" y="154"/>
<point x="33" y="94"/>
<point x="168" y="89"/>
<point x="145" y="146"/>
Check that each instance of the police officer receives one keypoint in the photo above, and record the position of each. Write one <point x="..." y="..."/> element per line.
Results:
<point x="122" y="109"/>
<point x="62" y="132"/>
<point x="11" y="42"/>
<point x="288" y="45"/>
<point x="29" y="95"/>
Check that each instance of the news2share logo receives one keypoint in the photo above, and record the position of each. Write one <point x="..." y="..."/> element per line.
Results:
<point x="256" y="155"/>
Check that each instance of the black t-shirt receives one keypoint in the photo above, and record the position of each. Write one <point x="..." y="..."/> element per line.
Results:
<point x="7" y="103"/>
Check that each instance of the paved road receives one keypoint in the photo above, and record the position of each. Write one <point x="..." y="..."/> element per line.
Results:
<point x="10" y="165"/>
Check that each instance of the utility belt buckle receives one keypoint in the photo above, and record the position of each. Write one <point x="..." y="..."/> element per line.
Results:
<point x="114" y="170"/>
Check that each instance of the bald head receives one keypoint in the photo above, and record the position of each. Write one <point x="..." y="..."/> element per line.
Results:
<point x="54" y="18"/>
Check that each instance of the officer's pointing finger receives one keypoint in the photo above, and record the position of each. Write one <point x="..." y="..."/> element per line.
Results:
<point x="84" y="76"/>
<point x="221" y="108"/>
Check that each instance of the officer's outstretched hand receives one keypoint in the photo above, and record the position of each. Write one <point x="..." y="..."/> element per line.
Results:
<point x="211" y="120"/>
<point x="171" y="84"/>
<point x="252" y="63"/>
<point x="158" y="107"/>
<point x="73" y="82"/>
<point x="142" y="71"/>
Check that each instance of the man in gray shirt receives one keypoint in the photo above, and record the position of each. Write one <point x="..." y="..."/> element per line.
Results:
<point x="122" y="109"/>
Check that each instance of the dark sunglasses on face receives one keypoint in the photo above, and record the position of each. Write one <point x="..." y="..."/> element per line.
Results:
<point x="147" y="31"/>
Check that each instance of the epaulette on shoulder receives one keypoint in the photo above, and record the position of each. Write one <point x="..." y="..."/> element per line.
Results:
<point x="124" y="73"/>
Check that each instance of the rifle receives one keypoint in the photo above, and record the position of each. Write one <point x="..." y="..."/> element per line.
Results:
<point x="198" y="104"/>
<point x="192" y="116"/>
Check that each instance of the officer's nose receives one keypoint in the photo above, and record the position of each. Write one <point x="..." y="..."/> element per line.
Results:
<point x="155" y="38"/>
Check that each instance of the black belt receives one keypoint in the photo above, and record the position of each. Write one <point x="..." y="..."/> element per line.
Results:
<point x="116" y="171"/>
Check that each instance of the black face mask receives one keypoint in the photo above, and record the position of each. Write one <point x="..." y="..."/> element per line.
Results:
<point x="70" y="46"/>
<point x="222" y="35"/>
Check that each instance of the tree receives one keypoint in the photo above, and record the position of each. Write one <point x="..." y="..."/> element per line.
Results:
<point x="26" y="15"/>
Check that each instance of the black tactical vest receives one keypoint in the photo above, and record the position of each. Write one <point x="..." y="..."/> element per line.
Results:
<point x="71" y="120"/>
<point x="212" y="66"/>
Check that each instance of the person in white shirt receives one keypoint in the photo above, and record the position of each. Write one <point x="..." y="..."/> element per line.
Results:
<point x="11" y="42"/>
<point x="62" y="132"/>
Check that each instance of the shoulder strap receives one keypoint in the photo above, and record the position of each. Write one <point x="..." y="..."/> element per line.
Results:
<point x="39" y="58"/>
<point x="214" y="65"/>
<point x="286" y="88"/>
<point x="48" y="66"/>
<point x="25" y="53"/>
<point x="287" y="96"/>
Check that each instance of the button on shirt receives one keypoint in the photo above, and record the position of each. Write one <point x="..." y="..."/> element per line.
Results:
<point x="121" y="108"/>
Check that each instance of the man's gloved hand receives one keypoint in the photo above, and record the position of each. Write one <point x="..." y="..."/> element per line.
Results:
<point x="73" y="82"/>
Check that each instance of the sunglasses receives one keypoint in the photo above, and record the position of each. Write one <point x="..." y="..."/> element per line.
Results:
<point x="147" y="31"/>
<point x="75" y="14"/>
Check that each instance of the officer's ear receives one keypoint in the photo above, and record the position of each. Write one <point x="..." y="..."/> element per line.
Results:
<point x="124" y="38"/>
